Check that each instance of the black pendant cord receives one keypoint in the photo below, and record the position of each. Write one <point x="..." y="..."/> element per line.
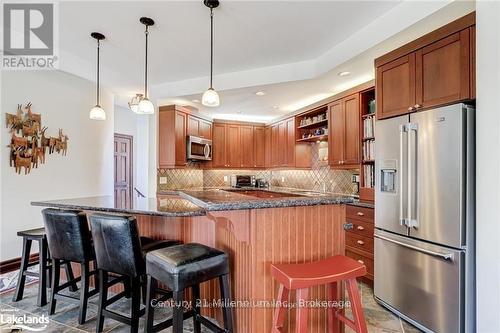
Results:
<point x="98" y="56"/>
<point x="211" y="46"/>
<point x="146" y="66"/>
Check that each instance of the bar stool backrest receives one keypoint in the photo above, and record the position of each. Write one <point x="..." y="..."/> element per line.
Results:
<point x="117" y="244"/>
<point x="68" y="235"/>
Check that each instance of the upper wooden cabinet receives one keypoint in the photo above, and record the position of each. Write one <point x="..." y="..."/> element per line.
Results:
<point x="219" y="146"/>
<point x="199" y="127"/>
<point x="259" y="146"/>
<point x="246" y="146"/>
<point x="396" y="87"/>
<point x="344" y="137"/>
<point x="434" y="70"/>
<point x="172" y="138"/>
<point x="289" y="125"/>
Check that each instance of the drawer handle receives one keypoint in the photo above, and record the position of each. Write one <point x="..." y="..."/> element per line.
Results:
<point x="360" y="242"/>
<point x="359" y="227"/>
<point x="361" y="262"/>
<point x="360" y="214"/>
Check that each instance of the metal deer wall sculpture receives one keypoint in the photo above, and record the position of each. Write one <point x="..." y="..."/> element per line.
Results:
<point x="29" y="143"/>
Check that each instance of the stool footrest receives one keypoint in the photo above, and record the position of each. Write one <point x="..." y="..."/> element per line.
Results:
<point x="347" y="321"/>
<point x="168" y="323"/>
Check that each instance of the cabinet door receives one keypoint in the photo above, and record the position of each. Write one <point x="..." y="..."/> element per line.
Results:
<point x="351" y="130"/>
<point x="180" y="138"/>
<point x="275" y="161"/>
<point x="219" y="146"/>
<point x="442" y="71"/>
<point x="290" y="142"/>
<point x="281" y="147"/>
<point x="205" y="128"/>
<point x="193" y="126"/>
<point x="259" y="147"/>
<point x="336" y="135"/>
<point x="247" y="146"/>
<point x="233" y="152"/>
<point x="395" y="83"/>
<point x="473" y="62"/>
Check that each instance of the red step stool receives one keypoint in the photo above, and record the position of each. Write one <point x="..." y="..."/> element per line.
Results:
<point x="328" y="271"/>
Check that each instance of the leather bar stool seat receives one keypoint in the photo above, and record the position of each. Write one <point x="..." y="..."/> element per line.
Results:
<point x="69" y="240"/>
<point x="120" y="251"/>
<point x="44" y="269"/>
<point x="186" y="266"/>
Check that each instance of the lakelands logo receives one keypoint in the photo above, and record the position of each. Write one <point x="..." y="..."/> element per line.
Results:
<point x="14" y="321"/>
<point x="29" y="39"/>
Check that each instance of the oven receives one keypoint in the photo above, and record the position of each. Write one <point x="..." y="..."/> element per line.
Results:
<point x="199" y="149"/>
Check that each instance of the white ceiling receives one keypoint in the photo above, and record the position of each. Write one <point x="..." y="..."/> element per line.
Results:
<point x="290" y="49"/>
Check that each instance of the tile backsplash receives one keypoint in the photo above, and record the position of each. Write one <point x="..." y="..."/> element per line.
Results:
<point x="319" y="178"/>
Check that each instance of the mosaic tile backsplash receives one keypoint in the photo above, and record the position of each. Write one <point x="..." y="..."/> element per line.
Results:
<point x="319" y="178"/>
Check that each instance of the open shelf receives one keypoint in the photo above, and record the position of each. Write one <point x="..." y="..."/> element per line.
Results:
<point x="314" y="138"/>
<point x="367" y="168"/>
<point x="315" y="124"/>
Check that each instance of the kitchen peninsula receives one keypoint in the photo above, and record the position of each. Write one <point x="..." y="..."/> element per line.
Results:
<point x="255" y="227"/>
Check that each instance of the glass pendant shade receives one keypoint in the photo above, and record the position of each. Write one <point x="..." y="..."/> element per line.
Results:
<point x="145" y="107"/>
<point x="210" y="98"/>
<point x="134" y="103"/>
<point x="97" y="113"/>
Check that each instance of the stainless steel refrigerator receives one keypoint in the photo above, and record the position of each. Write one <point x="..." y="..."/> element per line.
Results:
<point x="424" y="218"/>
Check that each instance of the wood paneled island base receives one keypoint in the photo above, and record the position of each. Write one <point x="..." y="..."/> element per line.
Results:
<point x="254" y="239"/>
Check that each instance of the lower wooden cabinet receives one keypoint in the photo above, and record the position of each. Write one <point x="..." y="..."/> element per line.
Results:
<point x="359" y="241"/>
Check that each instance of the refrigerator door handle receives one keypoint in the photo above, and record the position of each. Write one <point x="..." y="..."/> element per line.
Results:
<point x="402" y="207"/>
<point x="445" y="256"/>
<point x="411" y="220"/>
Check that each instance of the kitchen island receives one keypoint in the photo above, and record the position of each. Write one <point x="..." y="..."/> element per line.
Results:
<point x="255" y="229"/>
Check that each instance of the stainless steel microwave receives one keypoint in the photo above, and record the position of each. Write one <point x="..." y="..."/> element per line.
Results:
<point x="199" y="149"/>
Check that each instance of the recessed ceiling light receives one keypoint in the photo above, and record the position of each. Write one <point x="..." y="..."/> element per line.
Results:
<point x="195" y="101"/>
<point x="343" y="73"/>
<point x="260" y="93"/>
<point x="276" y="107"/>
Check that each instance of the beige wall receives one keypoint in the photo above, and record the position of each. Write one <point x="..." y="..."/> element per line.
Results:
<point x="64" y="101"/>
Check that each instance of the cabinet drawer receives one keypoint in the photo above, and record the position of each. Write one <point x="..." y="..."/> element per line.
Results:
<point x="368" y="262"/>
<point x="359" y="213"/>
<point x="359" y="227"/>
<point x="359" y="242"/>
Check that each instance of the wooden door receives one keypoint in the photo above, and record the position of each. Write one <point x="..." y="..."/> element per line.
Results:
<point x="247" y="146"/>
<point x="281" y="147"/>
<point x="180" y="138"/>
<point x="290" y="142"/>
<point x="205" y="129"/>
<point x="442" y="71"/>
<point x="123" y="164"/>
<point x="259" y="146"/>
<point x="275" y="145"/>
<point x="233" y="151"/>
<point x="395" y="83"/>
<point x="351" y="130"/>
<point x="219" y="146"/>
<point x="336" y="135"/>
<point x="193" y="126"/>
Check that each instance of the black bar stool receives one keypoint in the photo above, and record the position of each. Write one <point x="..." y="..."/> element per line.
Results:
<point x="69" y="240"/>
<point x="180" y="267"/>
<point x="44" y="273"/>
<point x="119" y="250"/>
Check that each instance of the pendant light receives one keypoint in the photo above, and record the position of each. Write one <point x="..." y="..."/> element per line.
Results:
<point x="211" y="97"/>
<point x="134" y="102"/>
<point x="145" y="106"/>
<point x="97" y="113"/>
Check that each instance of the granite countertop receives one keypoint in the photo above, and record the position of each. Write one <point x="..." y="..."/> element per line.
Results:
<point x="168" y="206"/>
<point x="362" y="204"/>
<point x="254" y="198"/>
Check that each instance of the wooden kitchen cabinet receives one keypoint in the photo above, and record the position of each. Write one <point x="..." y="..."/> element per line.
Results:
<point x="199" y="127"/>
<point x="396" y="87"/>
<point x="172" y="138"/>
<point x="219" y="146"/>
<point x="246" y="147"/>
<point x="233" y="148"/>
<point x="434" y="70"/>
<point x="344" y="137"/>
<point x="289" y="159"/>
<point x="259" y="146"/>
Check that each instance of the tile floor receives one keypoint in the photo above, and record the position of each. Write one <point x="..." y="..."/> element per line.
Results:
<point x="65" y="318"/>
